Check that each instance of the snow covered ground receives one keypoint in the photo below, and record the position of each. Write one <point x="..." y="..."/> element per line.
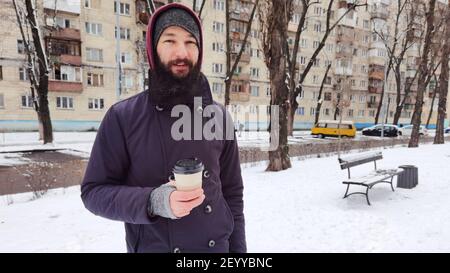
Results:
<point x="297" y="210"/>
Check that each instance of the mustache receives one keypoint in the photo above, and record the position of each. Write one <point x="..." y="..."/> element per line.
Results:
<point x="182" y="62"/>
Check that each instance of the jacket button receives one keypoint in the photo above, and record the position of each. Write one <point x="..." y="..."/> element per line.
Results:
<point x="159" y="108"/>
<point x="208" y="209"/>
<point x="211" y="243"/>
<point x="176" y="250"/>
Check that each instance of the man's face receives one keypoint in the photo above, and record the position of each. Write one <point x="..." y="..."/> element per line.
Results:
<point x="178" y="51"/>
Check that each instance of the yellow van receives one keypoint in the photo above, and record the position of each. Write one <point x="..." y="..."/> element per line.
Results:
<point x="326" y="128"/>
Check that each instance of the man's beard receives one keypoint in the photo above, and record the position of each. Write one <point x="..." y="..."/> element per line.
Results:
<point x="169" y="89"/>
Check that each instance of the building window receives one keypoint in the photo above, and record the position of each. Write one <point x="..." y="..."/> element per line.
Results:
<point x="96" y="104"/>
<point x="62" y="22"/>
<point x="94" y="29"/>
<point x="328" y="80"/>
<point x="64" y="102"/>
<point x="326" y="111"/>
<point x="312" y="111"/>
<point x="1" y="72"/>
<point x="316" y="79"/>
<point x="94" y="79"/>
<point x="254" y="91"/>
<point x="217" y="88"/>
<point x="366" y="24"/>
<point x="362" y="98"/>
<point x="127" y="81"/>
<point x="218" y="47"/>
<point x="27" y="101"/>
<point x="2" y="101"/>
<point x="300" y="111"/>
<point x="23" y="74"/>
<point x="254" y="72"/>
<point x="126" y="58"/>
<point x="20" y="47"/>
<point x="125" y="33"/>
<point x="217" y="68"/>
<point x="327" y="96"/>
<point x="124" y="8"/>
<point x="350" y="112"/>
<point x="94" y="54"/>
<point x="361" y="113"/>
<point x="371" y="113"/>
<point x="316" y="44"/>
<point x="303" y="43"/>
<point x="67" y="73"/>
<point x="218" y="5"/>
<point x="218" y="27"/>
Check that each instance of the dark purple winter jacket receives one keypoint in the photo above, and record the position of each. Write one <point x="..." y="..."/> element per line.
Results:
<point x="134" y="153"/>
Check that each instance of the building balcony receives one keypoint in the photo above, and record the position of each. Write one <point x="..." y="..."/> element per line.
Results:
<point x="239" y="16"/>
<point x="409" y="106"/>
<point x="372" y="104"/>
<point x="239" y="96"/>
<point x="65" y="86"/>
<point x="379" y="14"/>
<point x="376" y="75"/>
<point x="241" y="77"/>
<point x="344" y="55"/>
<point x="67" y="59"/>
<point x="375" y="90"/>
<point x="245" y="57"/>
<point x="343" y="71"/>
<point x="238" y="37"/>
<point x="70" y="34"/>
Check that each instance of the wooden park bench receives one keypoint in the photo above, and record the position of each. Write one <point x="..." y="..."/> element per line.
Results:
<point x="371" y="179"/>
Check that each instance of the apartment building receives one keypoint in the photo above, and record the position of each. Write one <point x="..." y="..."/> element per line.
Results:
<point x="82" y="38"/>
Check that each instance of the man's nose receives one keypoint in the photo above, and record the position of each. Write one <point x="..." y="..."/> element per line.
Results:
<point x="181" y="51"/>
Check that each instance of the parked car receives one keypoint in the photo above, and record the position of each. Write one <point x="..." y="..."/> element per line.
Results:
<point x="329" y="128"/>
<point x="447" y="130"/>
<point x="407" y="130"/>
<point x="375" y="130"/>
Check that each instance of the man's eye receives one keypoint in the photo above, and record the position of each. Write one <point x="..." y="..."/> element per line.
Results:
<point x="169" y="41"/>
<point x="191" y="42"/>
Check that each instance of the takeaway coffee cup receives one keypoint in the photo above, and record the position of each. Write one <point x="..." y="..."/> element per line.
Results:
<point x="188" y="174"/>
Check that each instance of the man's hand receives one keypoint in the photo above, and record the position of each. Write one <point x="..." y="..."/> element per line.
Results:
<point x="182" y="202"/>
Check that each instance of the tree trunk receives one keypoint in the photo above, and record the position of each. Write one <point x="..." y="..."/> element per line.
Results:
<point x="319" y="98"/>
<point x="42" y="90"/>
<point x="277" y="34"/>
<point x="443" y="85"/>
<point x="423" y="73"/>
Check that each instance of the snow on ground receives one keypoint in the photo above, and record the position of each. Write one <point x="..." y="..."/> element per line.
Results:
<point x="297" y="210"/>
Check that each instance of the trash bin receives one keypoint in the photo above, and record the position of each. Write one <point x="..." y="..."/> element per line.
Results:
<point x="409" y="178"/>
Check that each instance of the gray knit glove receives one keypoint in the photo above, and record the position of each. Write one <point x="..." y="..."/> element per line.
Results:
<point x="159" y="203"/>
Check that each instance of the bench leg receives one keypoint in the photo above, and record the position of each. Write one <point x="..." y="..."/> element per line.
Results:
<point x="367" y="196"/>
<point x="392" y="186"/>
<point x="345" y="195"/>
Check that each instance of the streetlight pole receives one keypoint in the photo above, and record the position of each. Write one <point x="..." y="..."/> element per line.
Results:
<point x="118" y="55"/>
<point x="383" y="108"/>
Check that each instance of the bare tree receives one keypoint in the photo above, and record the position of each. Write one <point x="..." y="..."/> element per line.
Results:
<point x="391" y="45"/>
<point x="37" y="64"/>
<point x="443" y="83"/>
<point x="274" y="18"/>
<point x="296" y="86"/>
<point x="422" y="75"/>
<point x="231" y="68"/>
